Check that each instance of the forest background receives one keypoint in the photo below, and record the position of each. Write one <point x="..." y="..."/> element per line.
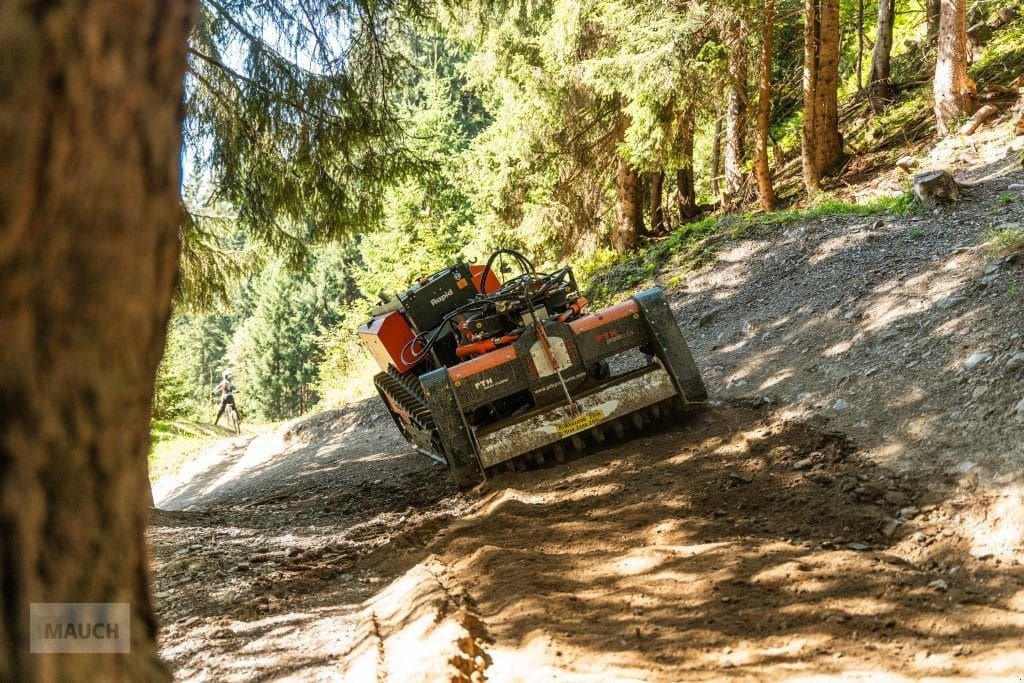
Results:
<point x="327" y="163"/>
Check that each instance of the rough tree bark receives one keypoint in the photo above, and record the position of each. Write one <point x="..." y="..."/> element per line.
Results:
<point x="657" y="206"/>
<point x="629" y="214"/>
<point x="765" y="191"/>
<point x="716" y="158"/>
<point x="879" y="83"/>
<point x="953" y="89"/>
<point x="90" y="128"/>
<point x="686" y="193"/>
<point x="822" y="143"/>
<point x="736" y="111"/>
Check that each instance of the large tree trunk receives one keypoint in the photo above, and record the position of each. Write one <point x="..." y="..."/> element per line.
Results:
<point x="954" y="90"/>
<point x="657" y="206"/>
<point x="765" y="191"/>
<point x="686" y="193"/>
<point x="822" y="143"/>
<point x="90" y="128"/>
<point x="629" y="214"/>
<point x="736" y="111"/>
<point x="716" y="159"/>
<point x="879" y="83"/>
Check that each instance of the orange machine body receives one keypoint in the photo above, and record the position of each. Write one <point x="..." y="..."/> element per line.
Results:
<point x="477" y="273"/>
<point x="386" y="336"/>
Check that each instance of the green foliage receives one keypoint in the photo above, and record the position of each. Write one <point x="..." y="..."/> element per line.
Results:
<point x="1003" y="59"/>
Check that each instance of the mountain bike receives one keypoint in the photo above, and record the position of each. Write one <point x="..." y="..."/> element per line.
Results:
<point x="233" y="420"/>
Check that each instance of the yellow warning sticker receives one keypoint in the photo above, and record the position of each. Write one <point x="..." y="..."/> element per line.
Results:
<point x="578" y="424"/>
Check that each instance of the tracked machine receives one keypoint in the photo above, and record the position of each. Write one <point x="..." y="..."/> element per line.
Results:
<point x="484" y="374"/>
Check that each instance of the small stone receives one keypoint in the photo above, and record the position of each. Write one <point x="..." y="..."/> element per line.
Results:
<point x="950" y="301"/>
<point x="878" y="224"/>
<point x="888" y="333"/>
<point x="889" y="527"/>
<point x="859" y="547"/>
<point x="939" y="585"/>
<point x="740" y="479"/>
<point x="1019" y="408"/>
<point x="804" y="464"/>
<point x="1016" y="187"/>
<point x="840" y="405"/>
<point x="1016" y="361"/>
<point x="977" y="359"/>
<point x="909" y="512"/>
<point x="991" y="267"/>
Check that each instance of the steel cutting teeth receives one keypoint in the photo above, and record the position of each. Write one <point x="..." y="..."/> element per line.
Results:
<point x="597" y="435"/>
<point x="619" y="430"/>
<point x="559" y="452"/>
<point x="538" y="457"/>
<point x="577" y="442"/>
<point x="638" y="421"/>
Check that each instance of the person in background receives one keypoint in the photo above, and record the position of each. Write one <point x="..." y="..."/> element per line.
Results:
<point x="227" y="395"/>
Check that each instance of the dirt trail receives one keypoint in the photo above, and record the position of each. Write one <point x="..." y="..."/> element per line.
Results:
<point x="850" y="505"/>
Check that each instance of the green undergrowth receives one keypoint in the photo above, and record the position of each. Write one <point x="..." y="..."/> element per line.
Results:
<point x="608" y="277"/>
<point x="172" y="442"/>
<point x="1006" y="239"/>
<point x="1002" y="60"/>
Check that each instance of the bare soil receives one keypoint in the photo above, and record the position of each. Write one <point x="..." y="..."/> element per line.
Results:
<point x="848" y="506"/>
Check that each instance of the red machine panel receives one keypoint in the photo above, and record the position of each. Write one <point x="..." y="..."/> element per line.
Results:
<point x="385" y="336"/>
<point x="492" y="284"/>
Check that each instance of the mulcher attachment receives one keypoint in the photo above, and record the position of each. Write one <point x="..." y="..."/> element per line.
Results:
<point x="487" y="376"/>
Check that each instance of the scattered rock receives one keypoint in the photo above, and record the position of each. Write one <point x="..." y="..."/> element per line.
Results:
<point x="889" y="527"/>
<point x="950" y="301"/>
<point x="1019" y="408"/>
<point x="1016" y="187"/>
<point x="804" y="464"/>
<point x="1016" y="361"/>
<point x="859" y="547"/>
<point x="909" y="512"/>
<point x="888" y="333"/>
<point x="907" y="163"/>
<point x="939" y="585"/>
<point x="840" y="405"/>
<point x="976" y="359"/>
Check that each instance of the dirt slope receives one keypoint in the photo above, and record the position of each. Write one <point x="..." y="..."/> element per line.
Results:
<point x="850" y="504"/>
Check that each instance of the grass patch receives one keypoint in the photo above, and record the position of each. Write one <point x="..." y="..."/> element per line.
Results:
<point x="1003" y="58"/>
<point x="608" y="277"/>
<point x="171" y="443"/>
<point x="1006" y="240"/>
